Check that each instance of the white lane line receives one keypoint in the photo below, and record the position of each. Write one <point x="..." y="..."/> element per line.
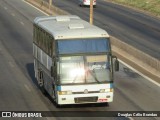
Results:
<point x="11" y="64"/>
<point x="48" y="118"/>
<point x="36" y="8"/>
<point x="13" y="14"/>
<point x="26" y="86"/>
<point x="130" y="118"/>
<point x="149" y="79"/>
<point x="5" y="8"/>
<point x="22" y="23"/>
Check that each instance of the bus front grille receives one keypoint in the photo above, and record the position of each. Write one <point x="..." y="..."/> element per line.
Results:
<point x="85" y="99"/>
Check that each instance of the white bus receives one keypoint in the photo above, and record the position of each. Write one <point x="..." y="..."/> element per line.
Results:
<point x="86" y="3"/>
<point x="73" y="60"/>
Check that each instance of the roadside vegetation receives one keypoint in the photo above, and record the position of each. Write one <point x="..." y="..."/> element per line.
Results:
<point x="152" y="6"/>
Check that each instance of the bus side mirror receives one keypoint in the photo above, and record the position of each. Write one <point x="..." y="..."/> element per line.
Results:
<point x="116" y="63"/>
<point x="52" y="71"/>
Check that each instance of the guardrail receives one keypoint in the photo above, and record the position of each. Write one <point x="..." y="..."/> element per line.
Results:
<point x="150" y="64"/>
<point x="142" y="59"/>
<point x="147" y="59"/>
<point x="43" y="5"/>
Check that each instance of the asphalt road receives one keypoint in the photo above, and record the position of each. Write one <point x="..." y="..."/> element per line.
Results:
<point x="18" y="87"/>
<point x="135" y="28"/>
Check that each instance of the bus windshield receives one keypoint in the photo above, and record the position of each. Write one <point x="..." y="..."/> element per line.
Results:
<point x="97" y="45"/>
<point x="84" y="69"/>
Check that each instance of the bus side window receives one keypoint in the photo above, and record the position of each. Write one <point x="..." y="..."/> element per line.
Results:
<point x="53" y="69"/>
<point x="50" y="46"/>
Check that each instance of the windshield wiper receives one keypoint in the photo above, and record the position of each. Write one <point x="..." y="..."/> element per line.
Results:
<point x="94" y="76"/>
<point x="74" y="79"/>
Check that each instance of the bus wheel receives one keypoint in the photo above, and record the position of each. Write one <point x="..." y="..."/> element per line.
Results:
<point x="58" y="106"/>
<point x="41" y="81"/>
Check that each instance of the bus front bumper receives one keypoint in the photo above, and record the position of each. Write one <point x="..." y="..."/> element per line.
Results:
<point x="85" y="98"/>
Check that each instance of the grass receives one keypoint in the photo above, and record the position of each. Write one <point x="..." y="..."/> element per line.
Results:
<point x="152" y="6"/>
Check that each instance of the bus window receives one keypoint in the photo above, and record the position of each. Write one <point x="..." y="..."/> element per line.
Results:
<point x="84" y="69"/>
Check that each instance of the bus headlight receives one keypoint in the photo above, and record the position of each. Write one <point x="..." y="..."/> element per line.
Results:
<point x="77" y="72"/>
<point x="111" y="89"/>
<point x="106" y="90"/>
<point x="102" y="90"/>
<point x="65" y="92"/>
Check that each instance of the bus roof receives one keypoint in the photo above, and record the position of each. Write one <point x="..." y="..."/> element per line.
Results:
<point x="69" y="27"/>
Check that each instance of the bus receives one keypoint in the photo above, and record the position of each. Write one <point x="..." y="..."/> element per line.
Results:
<point x="73" y="61"/>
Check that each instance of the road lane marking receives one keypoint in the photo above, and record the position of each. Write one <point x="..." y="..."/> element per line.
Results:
<point x="5" y="8"/>
<point x="35" y="7"/>
<point x="26" y="86"/>
<point x="149" y="79"/>
<point x="13" y="14"/>
<point x="22" y="23"/>
<point x="48" y="118"/>
<point x="130" y="118"/>
<point x="11" y="64"/>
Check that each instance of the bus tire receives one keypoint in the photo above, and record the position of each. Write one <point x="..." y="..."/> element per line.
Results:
<point x="41" y="82"/>
<point x="58" y="105"/>
<point x="105" y="104"/>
